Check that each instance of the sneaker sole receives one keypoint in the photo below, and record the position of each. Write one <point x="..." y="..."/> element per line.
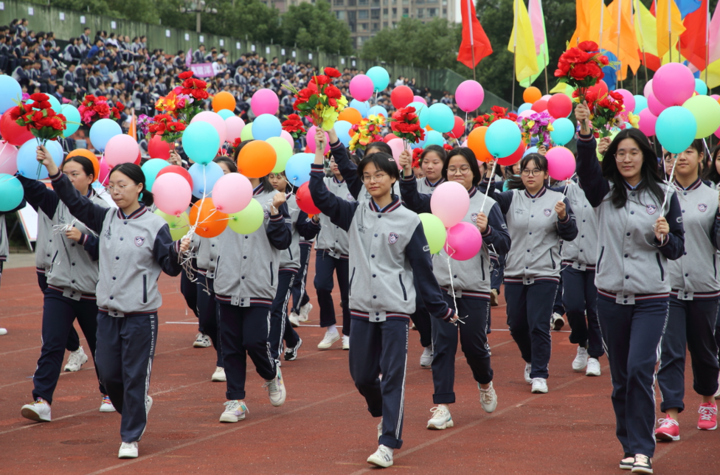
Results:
<point x="379" y="463"/>
<point x="426" y="366"/>
<point x="592" y="374"/>
<point x="102" y="409"/>
<point x="539" y="391"/>
<point x="642" y="470"/>
<point x="710" y="428"/>
<point x="128" y="456"/>
<point x="231" y="418"/>
<point x="200" y="345"/>
<point x="327" y="346"/>
<point x="626" y="467"/>
<point x="666" y="437"/>
<point x="32" y="415"/>
<point x="579" y="370"/>
<point x="215" y="379"/>
<point x="447" y="425"/>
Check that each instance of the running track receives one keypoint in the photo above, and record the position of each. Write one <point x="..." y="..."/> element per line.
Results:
<point x="324" y="426"/>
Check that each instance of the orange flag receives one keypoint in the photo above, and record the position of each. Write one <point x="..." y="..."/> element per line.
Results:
<point x="624" y="35"/>
<point x="669" y="26"/>
<point x="132" y="130"/>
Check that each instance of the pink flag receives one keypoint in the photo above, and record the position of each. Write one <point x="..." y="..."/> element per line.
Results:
<point x="714" y="40"/>
<point x="188" y="58"/>
<point x="538" y="25"/>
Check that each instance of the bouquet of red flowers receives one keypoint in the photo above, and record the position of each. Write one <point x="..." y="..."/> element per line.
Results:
<point x="181" y="105"/>
<point x="294" y="126"/>
<point x="405" y="123"/>
<point x="166" y="126"/>
<point x="320" y="100"/>
<point x="416" y="157"/>
<point x="117" y="110"/>
<point x="604" y="110"/>
<point x="94" y="108"/>
<point x="497" y="113"/>
<point x="581" y="67"/>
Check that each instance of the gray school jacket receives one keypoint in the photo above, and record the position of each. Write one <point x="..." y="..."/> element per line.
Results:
<point x="4" y="245"/>
<point x="43" y="257"/>
<point x="333" y="238"/>
<point x="207" y="254"/>
<point x="424" y="186"/>
<point x="695" y="274"/>
<point x="246" y="273"/>
<point x="581" y="252"/>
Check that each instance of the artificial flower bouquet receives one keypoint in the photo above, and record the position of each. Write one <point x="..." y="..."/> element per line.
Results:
<point x="537" y="125"/>
<point x="405" y="123"/>
<point x="179" y="107"/>
<point x="605" y="111"/>
<point x="497" y="113"/>
<point x="294" y="126"/>
<point x="581" y="67"/>
<point x="366" y="132"/>
<point x="94" y="108"/>
<point x="320" y="101"/>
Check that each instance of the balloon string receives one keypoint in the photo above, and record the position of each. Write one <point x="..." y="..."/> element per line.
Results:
<point x="452" y="284"/>
<point x="490" y="183"/>
<point x="669" y="184"/>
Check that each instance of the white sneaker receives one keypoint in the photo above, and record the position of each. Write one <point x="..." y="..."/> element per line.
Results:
<point x="276" y="389"/>
<point x="128" y="450"/>
<point x="148" y="404"/>
<point x="528" y="368"/>
<point x="202" y="341"/>
<point x="219" y="375"/>
<point x="106" y="405"/>
<point x="346" y="342"/>
<point x="539" y="385"/>
<point x="441" y="418"/>
<point x="383" y="457"/>
<point x="294" y="319"/>
<point x="426" y="357"/>
<point x="581" y="360"/>
<point x="305" y="312"/>
<point x="38" y="411"/>
<point x="328" y="339"/>
<point x="488" y="398"/>
<point x="76" y="359"/>
<point x="593" y="367"/>
<point x="557" y="321"/>
<point x="234" y="411"/>
<point x="3" y="331"/>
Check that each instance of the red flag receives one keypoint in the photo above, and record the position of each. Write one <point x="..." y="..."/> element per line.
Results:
<point x="473" y="37"/>
<point x="693" y="41"/>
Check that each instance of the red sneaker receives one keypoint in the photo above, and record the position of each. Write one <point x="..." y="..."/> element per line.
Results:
<point x="668" y="431"/>
<point x="708" y="416"/>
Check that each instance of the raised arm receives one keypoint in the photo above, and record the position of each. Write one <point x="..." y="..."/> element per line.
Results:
<point x="588" y="168"/>
<point x="347" y="168"/>
<point x="39" y="196"/>
<point x="413" y="200"/>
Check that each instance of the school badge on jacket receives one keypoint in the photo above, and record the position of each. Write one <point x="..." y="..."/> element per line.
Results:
<point x="393" y="238"/>
<point x="139" y="241"/>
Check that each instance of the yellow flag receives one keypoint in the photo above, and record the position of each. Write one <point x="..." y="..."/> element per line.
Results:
<point x="669" y="27"/>
<point x="624" y="36"/>
<point x="713" y="75"/>
<point x="645" y="29"/>
<point x="522" y="43"/>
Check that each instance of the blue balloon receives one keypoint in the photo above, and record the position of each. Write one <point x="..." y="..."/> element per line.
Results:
<point x="10" y="92"/>
<point x="102" y="131"/>
<point x="379" y="77"/>
<point x="502" y="138"/>
<point x="27" y="158"/>
<point x="266" y="126"/>
<point x="204" y="177"/>
<point x="640" y="104"/>
<point x="441" y="118"/>
<point x="378" y="110"/>
<point x="675" y="129"/>
<point x="297" y="169"/>
<point x="225" y="113"/>
<point x="342" y="129"/>
<point x="362" y="107"/>
<point x="563" y="131"/>
<point x="530" y="150"/>
<point x="73" y="119"/>
<point x="434" y="137"/>
<point x="524" y="107"/>
<point x="700" y="87"/>
<point x="201" y="142"/>
<point x="420" y="144"/>
<point x="11" y="192"/>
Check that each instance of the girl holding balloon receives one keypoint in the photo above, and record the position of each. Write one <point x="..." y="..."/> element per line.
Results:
<point x="387" y="249"/>
<point x="639" y="230"/>
<point x="135" y="246"/>
<point x="466" y="284"/>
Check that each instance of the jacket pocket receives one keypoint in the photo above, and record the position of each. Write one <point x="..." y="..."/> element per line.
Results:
<point x="482" y="267"/>
<point x="602" y="251"/>
<point x="662" y="271"/>
<point x="144" y="289"/>
<point x="351" y="281"/>
<point x="715" y="265"/>
<point x="272" y="274"/>
<point x="290" y="252"/>
<point x="402" y="286"/>
<point x="552" y="261"/>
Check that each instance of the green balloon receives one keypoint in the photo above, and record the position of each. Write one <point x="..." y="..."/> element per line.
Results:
<point x="73" y="119"/>
<point x="151" y="168"/>
<point x="246" y="133"/>
<point x="707" y="114"/>
<point x="248" y="220"/>
<point x="435" y="232"/>
<point x="283" y="150"/>
<point x="178" y="224"/>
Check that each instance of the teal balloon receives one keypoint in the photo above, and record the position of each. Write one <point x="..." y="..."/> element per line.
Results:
<point x="502" y="138"/>
<point x="563" y="131"/>
<point x="434" y="137"/>
<point x="700" y="87"/>
<point x="201" y="142"/>
<point x="73" y="119"/>
<point x="441" y="118"/>
<point x="150" y="169"/>
<point x="379" y="76"/>
<point x="378" y="110"/>
<point x="424" y="115"/>
<point x="362" y="107"/>
<point x="342" y="129"/>
<point x="418" y="106"/>
<point x="266" y="126"/>
<point x="11" y="192"/>
<point x="225" y="113"/>
<point x="675" y="129"/>
<point x="524" y="107"/>
<point x="10" y="93"/>
<point x="102" y="131"/>
<point x="640" y="104"/>
<point x="27" y="163"/>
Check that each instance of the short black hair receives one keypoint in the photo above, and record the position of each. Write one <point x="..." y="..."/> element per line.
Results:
<point x="383" y="162"/>
<point x="380" y="146"/>
<point x="434" y="148"/>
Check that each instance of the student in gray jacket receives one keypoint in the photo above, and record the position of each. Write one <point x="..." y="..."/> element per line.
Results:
<point x="134" y="248"/>
<point x="694" y="300"/>
<point x="637" y="236"/>
<point x="387" y="249"/>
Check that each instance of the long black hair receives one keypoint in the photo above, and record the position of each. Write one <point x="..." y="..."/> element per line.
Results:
<point x="711" y="172"/>
<point x="135" y="173"/>
<point x="434" y="148"/>
<point x="383" y="162"/>
<point x="469" y="156"/>
<point x="649" y="173"/>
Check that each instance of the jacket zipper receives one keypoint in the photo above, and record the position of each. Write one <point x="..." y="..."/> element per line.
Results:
<point x="351" y="281"/>
<point x="272" y="275"/>
<point x="482" y="266"/>
<point x="662" y="271"/>
<point x="602" y="251"/>
<point x="403" y="288"/>
<point x="715" y="265"/>
<point x="551" y="259"/>
<point x="144" y="289"/>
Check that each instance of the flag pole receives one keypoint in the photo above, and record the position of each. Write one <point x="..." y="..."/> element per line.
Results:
<point x="707" y="43"/>
<point x="512" y="101"/>
<point x="669" y="31"/>
<point x="619" y="20"/>
<point x="643" y="48"/>
<point x="547" y="87"/>
<point x="472" y="39"/>
<point x="515" y="8"/>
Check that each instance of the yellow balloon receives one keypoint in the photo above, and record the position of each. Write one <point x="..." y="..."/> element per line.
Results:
<point x="283" y="150"/>
<point x="707" y="114"/>
<point x="179" y="225"/>
<point x="246" y="133"/>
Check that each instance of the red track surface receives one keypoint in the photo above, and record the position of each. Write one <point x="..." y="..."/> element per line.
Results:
<point x="324" y="426"/>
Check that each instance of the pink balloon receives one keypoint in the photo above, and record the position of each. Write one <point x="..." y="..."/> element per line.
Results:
<point x="397" y="146"/>
<point x="311" y="143"/>
<point x="214" y="119"/>
<point x="463" y="241"/>
<point x="561" y="163"/>
<point x="419" y="99"/>
<point x="546" y="97"/>
<point x="121" y="149"/>
<point x="361" y="87"/>
<point x="450" y="202"/>
<point x="655" y="106"/>
<point x="526" y="113"/>
<point x="286" y="135"/>
<point x="265" y="101"/>
<point x="628" y="99"/>
<point x="469" y="95"/>
<point x="673" y="84"/>
<point x="104" y="173"/>
<point x="172" y="193"/>
<point x="8" y="158"/>
<point x="464" y="144"/>
<point x="648" y="89"/>
<point x="716" y="97"/>
<point x="234" y="126"/>
<point x="647" y="122"/>
<point x="232" y="193"/>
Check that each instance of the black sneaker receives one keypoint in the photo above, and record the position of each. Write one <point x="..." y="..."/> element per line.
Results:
<point x="292" y="353"/>
<point x="627" y="462"/>
<point x="643" y="464"/>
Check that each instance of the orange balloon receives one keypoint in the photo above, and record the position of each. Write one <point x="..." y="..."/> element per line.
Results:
<point x="476" y="143"/>
<point x="81" y="152"/>
<point x="350" y="114"/>
<point x="210" y="222"/>
<point x="532" y="95"/>
<point x="223" y="100"/>
<point x="256" y="159"/>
